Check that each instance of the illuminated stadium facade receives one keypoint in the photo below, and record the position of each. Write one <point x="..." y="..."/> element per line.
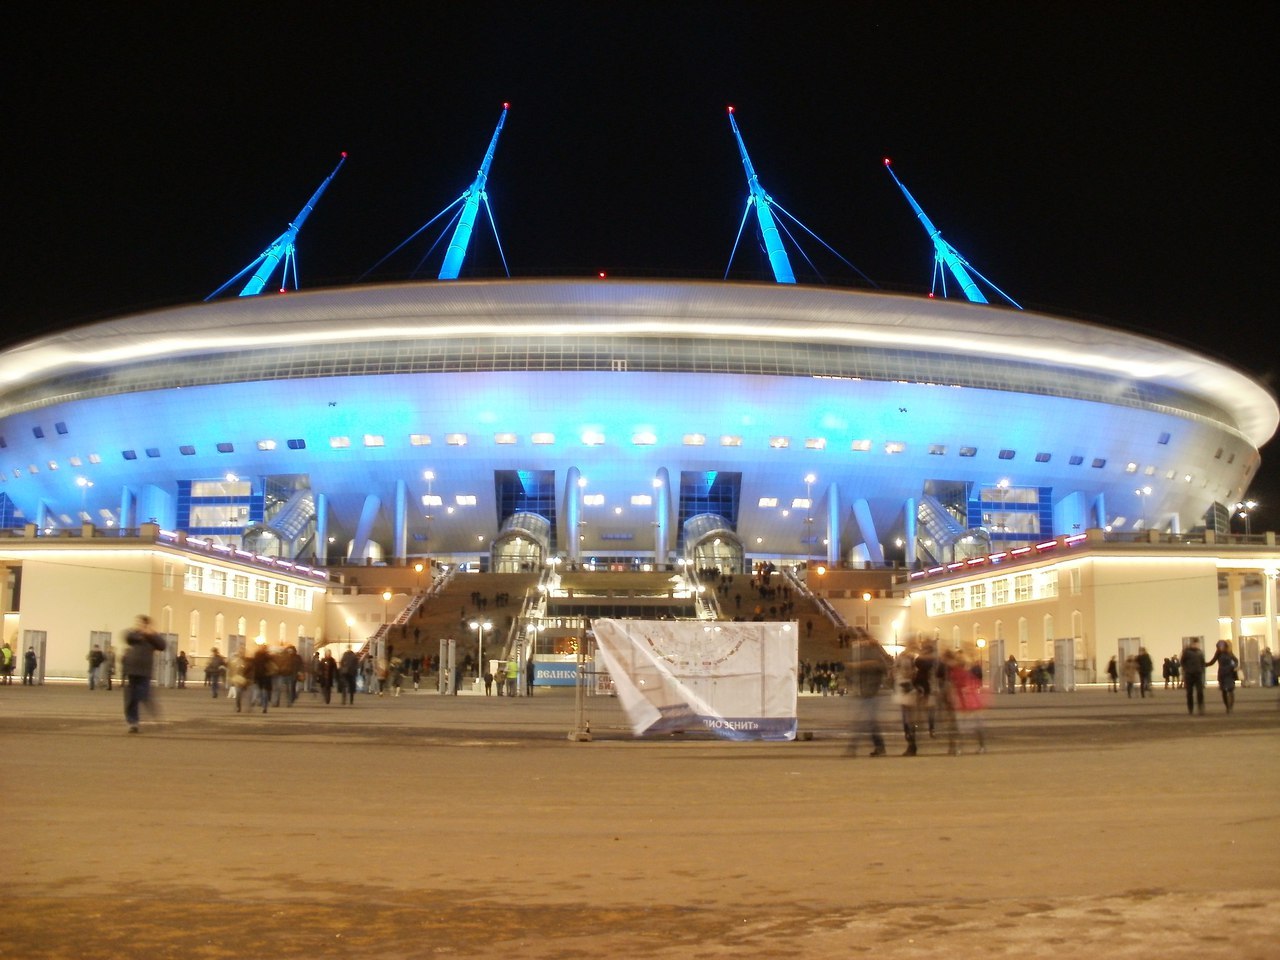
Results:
<point x="512" y="421"/>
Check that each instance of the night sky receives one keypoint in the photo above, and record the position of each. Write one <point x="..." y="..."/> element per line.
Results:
<point x="1105" y="160"/>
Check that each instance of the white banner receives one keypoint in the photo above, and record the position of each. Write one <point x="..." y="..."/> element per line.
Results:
<point x="736" y="680"/>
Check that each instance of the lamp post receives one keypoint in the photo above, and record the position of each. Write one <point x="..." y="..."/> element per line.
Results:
<point x="417" y="568"/>
<point x="480" y="626"/>
<point x="1244" y="509"/>
<point x="866" y="606"/>
<point x="351" y="622"/>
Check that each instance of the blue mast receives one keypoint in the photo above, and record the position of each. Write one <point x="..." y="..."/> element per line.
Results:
<point x="466" y="220"/>
<point x="945" y="255"/>
<point x="762" y="201"/>
<point x="281" y="249"/>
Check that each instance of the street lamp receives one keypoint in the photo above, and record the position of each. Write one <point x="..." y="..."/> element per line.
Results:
<point x="866" y="606"/>
<point x="1245" y="508"/>
<point x="480" y="626"/>
<point x="351" y="622"/>
<point x="417" y="568"/>
<point x="386" y="599"/>
<point x="1142" y="494"/>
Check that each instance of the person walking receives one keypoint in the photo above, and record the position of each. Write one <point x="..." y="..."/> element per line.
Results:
<point x="1113" y="675"/>
<point x="8" y="661"/>
<point x="1011" y="675"/>
<point x="1145" y="670"/>
<point x="1228" y="673"/>
<point x="29" y="664"/>
<point x="327" y="675"/>
<point x="214" y="669"/>
<point x="869" y="667"/>
<point x="1192" y="663"/>
<point x="182" y="663"/>
<point x="142" y="644"/>
<point x="348" y="667"/>
<point x="906" y="696"/>
<point x="95" y="664"/>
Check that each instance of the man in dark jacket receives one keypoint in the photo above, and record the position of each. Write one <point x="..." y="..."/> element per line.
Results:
<point x="142" y="642"/>
<point x="1193" y="674"/>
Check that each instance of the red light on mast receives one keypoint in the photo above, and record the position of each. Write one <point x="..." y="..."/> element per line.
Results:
<point x="602" y="275"/>
<point x="888" y="162"/>
<point x="731" y="109"/>
<point x="505" y="105"/>
<point x="344" y="154"/>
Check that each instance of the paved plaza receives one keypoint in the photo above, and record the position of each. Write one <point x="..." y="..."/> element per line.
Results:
<point x="428" y="826"/>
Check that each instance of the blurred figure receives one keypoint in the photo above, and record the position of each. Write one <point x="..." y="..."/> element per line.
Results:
<point x="96" y="656"/>
<point x="348" y="668"/>
<point x="1011" y="675"/>
<point x="1228" y="673"/>
<point x="29" y="664"/>
<point x="1193" y="675"/>
<point x="238" y="680"/>
<point x="214" y="669"/>
<point x="906" y="696"/>
<point x="1113" y="675"/>
<point x="396" y="666"/>
<point x="1130" y="675"/>
<point x="964" y="683"/>
<point x="261" y="670"/>
<point x="327" y="675"/>
<point x="139" y="662"/>
<point x="8" y="662"/>
<point x="1145" y="670"/>
<point x="869" y="667"/>
<point x="181" y="664"/>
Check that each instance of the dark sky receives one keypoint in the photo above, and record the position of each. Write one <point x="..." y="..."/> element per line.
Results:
<point x="1110" y="160"/>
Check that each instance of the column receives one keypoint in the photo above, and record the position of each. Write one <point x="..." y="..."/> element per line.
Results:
<point x="322" y="530"/>
<point x="833" y="526"/>
<point x="400" y="533"/>
<point x="1269" y="607"/>
<point x="909" y="532"/>
<point x="867" y="528"/>
<point x="1235" y="584"/>
<point x="128" y="509"/>
<point x="572" y="513"/>
<point x="364" y="529"/>
<point x="661" y="518"/>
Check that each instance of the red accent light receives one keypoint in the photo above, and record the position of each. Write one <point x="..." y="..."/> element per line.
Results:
<point x="506" y="106"/>
<point x="344" y="154"/>
<point x="602" y="275"/>
<point x="731" y="109"/>
<point x="930" y="294"/>
<point x="888" y="162"/>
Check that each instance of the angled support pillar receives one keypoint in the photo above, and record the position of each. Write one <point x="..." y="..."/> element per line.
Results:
<point x="833" y="526"/>
<point x="572" y="513"/>
<point x="909" y="532"/>
<point x="867" y="527"/>
<point x="364" y="529"/>
<point x="401" y="532"/>
<point x="661" y="518"/>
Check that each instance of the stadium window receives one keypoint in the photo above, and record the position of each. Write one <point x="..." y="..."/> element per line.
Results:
<point x="1076" y="460"/>
<point x="643" y="439"/>
<point x="129" y="454"/>
<point x="543" y="439"/>
<point x="1218" y="455"/>
<point x="504" y="439"/>
<point x="779" y="443"/>
<point x="339" y="443"/>
<point x="815" y="443"/>
<point x="729" y="440"/>
<point x="374" y="440"/>
<point x="1130" y="467"/>
<point x="456" y="439"/>
<point x="1164" y="439"/>
<point x="298" y="444"/>
<point x="1098" y="463"/>
<point x="38" y="432"/>
<point x="767" y="502"/>
<point x="61" y="427"/>
<point x="695" y="439"/>
<point x="266" y="444"/>
<point x="968" y="451"/>
<point x="1043" y="457"/>
<point x="937" y="449"/>
<point x="420" y="439"/>
<point x="1007" y="454"/>
<point x="860" y="446"/>
<point x="894" y="446"/>
<point x="226" y="447"/>
<point x="187" y="450"/>
<point x="153" y="452"/>
<point x="74" y="461"/>
<point x="4" y="444"/>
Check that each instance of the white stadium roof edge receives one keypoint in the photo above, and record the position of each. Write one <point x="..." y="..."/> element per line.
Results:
<point x="627" y="308"/>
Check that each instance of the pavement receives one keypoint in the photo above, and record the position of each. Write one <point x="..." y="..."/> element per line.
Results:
<point x="427" y="826"/>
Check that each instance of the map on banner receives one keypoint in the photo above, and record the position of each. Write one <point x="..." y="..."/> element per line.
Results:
<point x="735" y="680"/>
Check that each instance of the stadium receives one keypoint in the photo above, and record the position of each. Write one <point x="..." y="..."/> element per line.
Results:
<point x="509" y="422"/>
